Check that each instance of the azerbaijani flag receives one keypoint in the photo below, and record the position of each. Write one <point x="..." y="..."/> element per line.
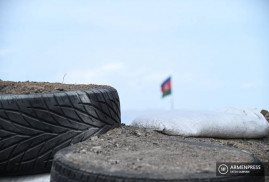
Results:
<point x="166" y="87"/>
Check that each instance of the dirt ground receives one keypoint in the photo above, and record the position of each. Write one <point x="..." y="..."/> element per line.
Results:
<point x="9" y="87"/>
<point x="138" y="151"/>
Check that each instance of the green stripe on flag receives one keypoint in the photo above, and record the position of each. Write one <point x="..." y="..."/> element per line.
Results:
<point x="167" y="92"/>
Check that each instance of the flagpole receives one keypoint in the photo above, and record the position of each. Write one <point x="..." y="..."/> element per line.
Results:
<point x="172" y="97"/>
<point x="172" y="102"/>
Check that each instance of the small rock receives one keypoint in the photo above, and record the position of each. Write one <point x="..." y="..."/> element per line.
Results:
<point x="118" y="132"/>
<point x="148" y="130"/>
<point x="144" y="164"/>
<point x="266" y="148"/>
<point x="137" y="133"/>
<point x="155" y="143"/>
<point x="83" y="151"/>
<point x="246" y="151"/>
<point x="94" y="138"/>
<point x="235" y="146"/>
<point x="60" y="89"/>
<point x="113" y="161"/>
<point x="230" y="144"/>
<point x="96" y="147"/>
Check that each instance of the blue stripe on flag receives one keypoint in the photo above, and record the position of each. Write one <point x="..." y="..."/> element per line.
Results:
<point x="166" y="81"/>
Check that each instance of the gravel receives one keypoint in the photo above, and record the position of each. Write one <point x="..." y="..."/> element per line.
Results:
<point x="9" y="87"/>
<point x="142" y="151"/>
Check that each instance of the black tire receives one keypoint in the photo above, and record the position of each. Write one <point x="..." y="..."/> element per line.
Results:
<point x="65" y="170"/>
<point x="34" y="127"/>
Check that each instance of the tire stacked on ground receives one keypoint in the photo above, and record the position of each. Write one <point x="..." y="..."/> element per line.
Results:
<point x="63" y="170"/>
<point x="34" y="127"/>
<point x="129" y="154"/>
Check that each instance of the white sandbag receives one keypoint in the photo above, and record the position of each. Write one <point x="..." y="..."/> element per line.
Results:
<point x="229" y="123"/>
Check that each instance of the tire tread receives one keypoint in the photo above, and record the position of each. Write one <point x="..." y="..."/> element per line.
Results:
<point x="34" y="127"/>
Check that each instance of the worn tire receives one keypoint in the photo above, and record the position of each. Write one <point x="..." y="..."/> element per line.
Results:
<point x="65" y="170"/>
<point x="34" y="127"/>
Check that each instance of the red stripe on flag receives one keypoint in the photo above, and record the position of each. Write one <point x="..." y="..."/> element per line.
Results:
<point x="166" y="86"/>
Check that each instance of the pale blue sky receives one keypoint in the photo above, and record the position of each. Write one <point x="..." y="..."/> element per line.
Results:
<point x="216" y="51"/>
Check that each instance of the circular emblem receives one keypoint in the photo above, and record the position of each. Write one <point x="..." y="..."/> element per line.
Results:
<point x="223" y="169"/>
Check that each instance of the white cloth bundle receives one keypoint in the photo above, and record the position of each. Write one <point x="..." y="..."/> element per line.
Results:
<point x="229" y="123"/>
